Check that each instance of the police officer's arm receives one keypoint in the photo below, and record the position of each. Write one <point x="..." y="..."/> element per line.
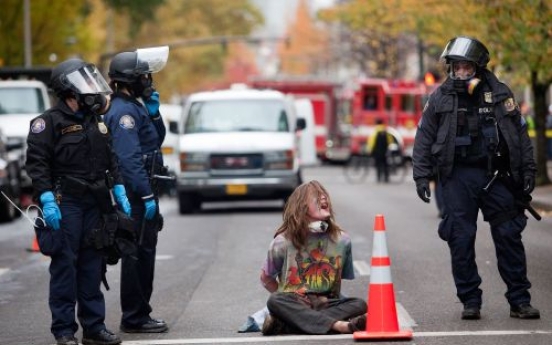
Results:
<point x="528" y="164"/>
<point x="160" y="128"/>
<point x="424" y="139"/>
<point x="40" y="148"/>
<point x="127" y="146"/>
<point x="113" y="162"/>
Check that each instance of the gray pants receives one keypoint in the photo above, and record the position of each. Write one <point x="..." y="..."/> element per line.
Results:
<point x="313" y="314"/>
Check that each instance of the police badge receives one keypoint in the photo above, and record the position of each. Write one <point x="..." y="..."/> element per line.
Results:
<point x="102" y="127"/>
<point x="488" y="97"/>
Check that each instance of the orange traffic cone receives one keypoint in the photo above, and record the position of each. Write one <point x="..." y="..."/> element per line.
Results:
<point x="382" y="321"/>
<point x="34" y="246"/>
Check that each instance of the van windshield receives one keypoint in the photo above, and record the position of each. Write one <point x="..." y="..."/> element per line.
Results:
<point x="237" y="115"/>
<point x="19" y="100"/>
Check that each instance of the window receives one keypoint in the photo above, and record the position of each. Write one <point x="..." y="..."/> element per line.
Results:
<point x="237" y="115"/>
<point x="21" y="100"/>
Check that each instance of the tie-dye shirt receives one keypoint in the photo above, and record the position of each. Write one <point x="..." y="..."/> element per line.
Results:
<point x="318" y="268"/>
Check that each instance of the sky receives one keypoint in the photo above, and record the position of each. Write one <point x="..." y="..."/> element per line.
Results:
<point x="278" y="12"/>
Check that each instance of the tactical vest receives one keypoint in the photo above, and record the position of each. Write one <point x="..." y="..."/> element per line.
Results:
<point x="477" y="133"/>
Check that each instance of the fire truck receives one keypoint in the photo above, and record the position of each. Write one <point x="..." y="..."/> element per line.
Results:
<point x="323" y="97"/>
<point x="398" y="103"/>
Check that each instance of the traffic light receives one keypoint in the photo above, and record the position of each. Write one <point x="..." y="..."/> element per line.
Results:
<point x="429" y="79"/>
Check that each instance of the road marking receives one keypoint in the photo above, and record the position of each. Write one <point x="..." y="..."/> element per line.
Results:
<point x="362" y="267"/>
<point x="163" y="257"/>
<point x="288" y="338"/>
<point x="3" y="270"/>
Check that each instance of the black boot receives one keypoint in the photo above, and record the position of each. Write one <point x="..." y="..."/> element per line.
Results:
<point x="524" y="311"/>
<point x="471" y="312"/>
<point x="103" y="337"/>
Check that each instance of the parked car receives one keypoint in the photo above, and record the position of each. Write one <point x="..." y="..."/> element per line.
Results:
<point x="237" y="144"/>
<point x="20" y="102"/>
<point x="10" y="183"/>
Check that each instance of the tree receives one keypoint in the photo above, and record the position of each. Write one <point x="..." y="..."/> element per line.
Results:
<point x="306" y="48"/>
<point x="190" y="67"/>
<point x="58" y="29"/>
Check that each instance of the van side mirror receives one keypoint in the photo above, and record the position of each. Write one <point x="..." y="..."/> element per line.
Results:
<point x="173" y="127"/>
<point x="301" y="124"/>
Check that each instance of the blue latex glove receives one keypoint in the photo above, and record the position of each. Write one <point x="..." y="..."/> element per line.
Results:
<point x="50" y="210"/>
<point x="151" y="208"/>
<point x="152" y="104"/>
<point x="121" y="198"/>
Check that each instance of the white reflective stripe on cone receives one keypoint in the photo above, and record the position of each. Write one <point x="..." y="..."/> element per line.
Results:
<point x="380" y="275"/>
<point x="379" y="247"/>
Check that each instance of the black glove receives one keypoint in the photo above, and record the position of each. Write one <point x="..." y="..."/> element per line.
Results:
<point x="422" y="188"/>
<point x="528" y="184"/>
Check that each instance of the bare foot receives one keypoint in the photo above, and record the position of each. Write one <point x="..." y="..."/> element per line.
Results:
<point x="341" y="327"/>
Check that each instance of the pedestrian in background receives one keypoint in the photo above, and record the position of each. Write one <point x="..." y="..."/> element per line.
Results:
<point x="378" y="148"/>
<point x="472" y="130"/>
<point x="138" y="132"/>
<point x="307" y="259"/>
<point x="62" y="143"/>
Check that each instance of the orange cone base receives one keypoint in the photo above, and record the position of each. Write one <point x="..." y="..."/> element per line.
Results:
<point x="405" y="335"/>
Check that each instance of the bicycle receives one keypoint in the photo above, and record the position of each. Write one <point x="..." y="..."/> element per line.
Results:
<point x="358" y="167"/>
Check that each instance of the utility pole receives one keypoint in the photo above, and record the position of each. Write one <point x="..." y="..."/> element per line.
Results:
<point x="27" y="33"/>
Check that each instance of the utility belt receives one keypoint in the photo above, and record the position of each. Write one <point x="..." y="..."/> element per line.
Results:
<point x="73" y="186"/>
<point x="114" y="235"/>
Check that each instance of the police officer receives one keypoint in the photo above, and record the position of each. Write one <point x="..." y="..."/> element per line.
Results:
<point x="138" y="132"/>
<point x="471" y="128"/>
<point x="69" y="150"/>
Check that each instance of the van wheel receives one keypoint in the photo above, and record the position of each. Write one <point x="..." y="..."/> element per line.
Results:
<point x="188" y="203"/>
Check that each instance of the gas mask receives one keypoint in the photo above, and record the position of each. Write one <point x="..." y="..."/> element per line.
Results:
<point x="95" y="103"/>
<point x="143" y="86"/>
<point x="463" y="74"/>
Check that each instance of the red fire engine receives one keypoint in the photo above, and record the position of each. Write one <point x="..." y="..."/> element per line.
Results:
<point x="322" y="95"/>
<point x="398" y="103"/>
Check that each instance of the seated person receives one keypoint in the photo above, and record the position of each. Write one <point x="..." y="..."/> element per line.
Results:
<point x="306" y="261"/>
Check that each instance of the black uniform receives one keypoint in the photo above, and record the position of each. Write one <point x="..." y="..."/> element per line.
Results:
<point x="67" y="153"/>
<point x="457" y="135"/>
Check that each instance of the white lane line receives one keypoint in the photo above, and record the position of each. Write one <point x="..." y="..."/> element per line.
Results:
<point x="3" y="270"/>
<point x="163" y="257"/>
<point x="405" y="320"/>
<point x="361" y="267"/>
<point x="288" y="338"/>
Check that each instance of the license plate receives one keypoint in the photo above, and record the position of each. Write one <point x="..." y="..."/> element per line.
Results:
<point x="236" y="189"/>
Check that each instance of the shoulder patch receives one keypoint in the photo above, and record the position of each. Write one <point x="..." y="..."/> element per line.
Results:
<point x="509" y="104"/>
<point x="126" y="122"/>
<point x="38" y="126"/>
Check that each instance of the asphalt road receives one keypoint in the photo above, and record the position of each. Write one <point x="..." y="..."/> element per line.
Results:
<point x="208" y="267"/>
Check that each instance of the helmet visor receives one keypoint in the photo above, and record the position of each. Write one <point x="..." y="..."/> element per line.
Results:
<point x="151" y="60"/>
<point x="88" y="80"/>
<point x="464" y="48"/>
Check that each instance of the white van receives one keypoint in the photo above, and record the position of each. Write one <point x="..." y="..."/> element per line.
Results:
<point x="237" y="145"/>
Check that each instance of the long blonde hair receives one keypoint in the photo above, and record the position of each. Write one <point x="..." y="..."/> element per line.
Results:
<point x="295" y="225"/>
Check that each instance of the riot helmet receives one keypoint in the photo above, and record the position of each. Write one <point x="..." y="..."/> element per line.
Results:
<point x="465" y="57"/>
<point x="464" y="48"/>
<point x="133" y="69"/>
<point x="81" y="80"/>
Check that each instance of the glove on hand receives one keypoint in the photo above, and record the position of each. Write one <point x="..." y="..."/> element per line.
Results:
<point x="152" y="104"/>
<point x="122" y="199"/>
<point x="50" y="210"/>
<point x="528" y="184"/>
<point x="151" y="208"/>
<point x="422" y="188"/>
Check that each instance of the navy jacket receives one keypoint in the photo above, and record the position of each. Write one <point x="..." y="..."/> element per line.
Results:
<point x="135" y="135"/>
<point x="434" y="145"/>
